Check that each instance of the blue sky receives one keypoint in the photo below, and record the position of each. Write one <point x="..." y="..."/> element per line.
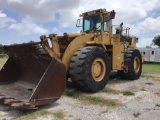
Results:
<point x="25" y="20"/>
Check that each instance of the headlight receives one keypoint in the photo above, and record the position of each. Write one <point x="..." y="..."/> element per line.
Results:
<point x="97" y="33"/>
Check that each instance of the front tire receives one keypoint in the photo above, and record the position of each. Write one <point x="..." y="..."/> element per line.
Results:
<point x="90" y="69"/>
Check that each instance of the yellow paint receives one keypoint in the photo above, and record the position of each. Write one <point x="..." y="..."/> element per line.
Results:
<point x="76" y="44"/>
<point x="136" y="64"/>
<point x="55" y="45"/>
<point x="98" y="69"/>
<point x="118" y="56"/>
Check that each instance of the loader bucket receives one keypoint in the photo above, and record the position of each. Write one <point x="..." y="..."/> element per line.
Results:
<point x="30" y="77"/>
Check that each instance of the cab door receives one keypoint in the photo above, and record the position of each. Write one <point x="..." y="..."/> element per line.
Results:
<point x="105" y="30"/>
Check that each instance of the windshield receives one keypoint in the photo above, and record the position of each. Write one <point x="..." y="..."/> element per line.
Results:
<point x="91" y="22"/>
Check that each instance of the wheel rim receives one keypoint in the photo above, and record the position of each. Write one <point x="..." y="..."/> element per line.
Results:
<point x="98" y="69"/>
<point x="136" y="64"/>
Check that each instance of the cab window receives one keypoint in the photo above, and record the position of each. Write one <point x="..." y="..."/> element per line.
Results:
<point x="106" y="23"/>
<point x="92" y="23"/>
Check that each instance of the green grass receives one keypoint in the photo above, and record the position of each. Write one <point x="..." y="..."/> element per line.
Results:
<point x="149" y="83"/>
<point x="33" y="115"/>
<point x="143" y="89"/>
<point x="111" y="90"/>
<point x="59" y="114"/>
<point x="128" y="93"/>
<point x="100" y="101"/>
<point x="2" y="62"/>
<point x="92" y="99"/>
<point x="155" y="78"/>
<point x="136" y="115"/>
<point x="151" y="68"/>
<point x="157" y="93"/>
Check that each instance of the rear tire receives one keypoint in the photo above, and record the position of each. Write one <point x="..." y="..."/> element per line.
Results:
<point x="90" y="69"/>
<point x="134" y="62"/>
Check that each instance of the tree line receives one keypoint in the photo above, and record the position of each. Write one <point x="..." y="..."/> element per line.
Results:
<point x="1" y="51"/>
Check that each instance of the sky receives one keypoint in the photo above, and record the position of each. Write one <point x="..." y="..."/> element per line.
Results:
<point x="25" y="20"/>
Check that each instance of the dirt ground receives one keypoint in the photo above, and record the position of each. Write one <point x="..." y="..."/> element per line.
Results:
<point x="143" y="105"/>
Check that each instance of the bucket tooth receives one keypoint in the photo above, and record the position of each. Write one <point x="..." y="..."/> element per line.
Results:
<point x="11" y="101"/>
<point x="29" y="106"/>
<point x="17" y="105"/>
<point x="3" y="97"/>
<point x="23" y="105"/>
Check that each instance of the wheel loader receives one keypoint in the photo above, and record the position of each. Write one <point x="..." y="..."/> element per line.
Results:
<point x="36" y="73"/>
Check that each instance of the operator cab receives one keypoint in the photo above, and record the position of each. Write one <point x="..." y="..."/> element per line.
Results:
<point x="97" y="20"/>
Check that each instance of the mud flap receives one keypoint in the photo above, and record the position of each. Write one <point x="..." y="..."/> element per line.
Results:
<point x="30" y="77"/>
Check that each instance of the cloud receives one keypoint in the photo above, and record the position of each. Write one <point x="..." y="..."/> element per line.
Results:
<point x="27" y="27"/>
<point x="126" y="11"/>
<point x="2" y="15"/>
<point x="14" y="1"/>
<point x="39" y="10"/>
<point x="4" y="20"/>
<point x="150" y="25"/>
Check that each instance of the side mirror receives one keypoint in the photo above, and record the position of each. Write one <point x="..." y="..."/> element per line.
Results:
<point x="79" y="23"/>
<point x="112" y="14"/>
<point x="121" y="26"/>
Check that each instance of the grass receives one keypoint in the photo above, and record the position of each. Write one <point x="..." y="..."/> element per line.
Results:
<point x="92" y="99"/>
<point x="143" y="89"/>
<point x="128" y="93"/>
<point x="157" y="93"/>
<point x="136" y="115"/>
<point x="155" y="78"/>
<point x="59" y="114"/>
<point x="157" y="105"/>
<point x="101" y="101"/>
<point x="149" y="83"/>
<point x="111" y="90"/>
<point x="2" y="62"/>
<point x="33" y="115"/>
<point x="151" y="68"/>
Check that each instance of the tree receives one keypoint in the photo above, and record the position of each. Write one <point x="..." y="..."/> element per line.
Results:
<point x="156" y="40"/>
<point x="1" y="51"/>
<point x="31" y="41"/>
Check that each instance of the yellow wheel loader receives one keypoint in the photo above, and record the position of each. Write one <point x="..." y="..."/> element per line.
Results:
<point x="35" y="73"/>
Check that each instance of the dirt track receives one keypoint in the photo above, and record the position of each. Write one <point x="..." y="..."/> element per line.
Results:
<point x="144" y="105"/>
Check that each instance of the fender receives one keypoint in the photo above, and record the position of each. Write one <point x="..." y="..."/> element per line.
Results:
<point x="76" y="44"/>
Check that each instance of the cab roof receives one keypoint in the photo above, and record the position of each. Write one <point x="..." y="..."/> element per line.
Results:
<point x="93" y="12"/>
